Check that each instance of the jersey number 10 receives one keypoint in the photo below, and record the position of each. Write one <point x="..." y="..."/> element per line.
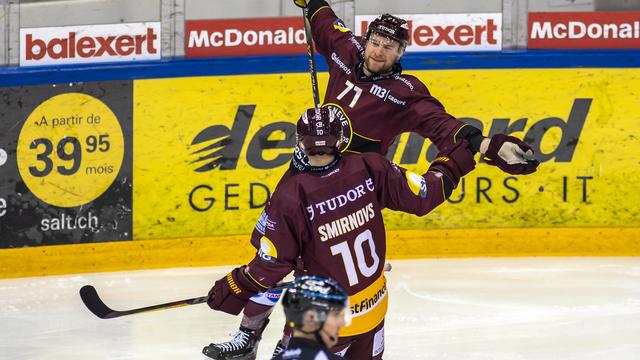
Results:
<point x="343" y="250"/>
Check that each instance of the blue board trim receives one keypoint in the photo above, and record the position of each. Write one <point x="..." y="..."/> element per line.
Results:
<point x="179" y="67"/>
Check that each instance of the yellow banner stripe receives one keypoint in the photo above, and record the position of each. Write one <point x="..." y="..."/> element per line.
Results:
<point x="369" y="307"/>
<point x="401" y="244"/>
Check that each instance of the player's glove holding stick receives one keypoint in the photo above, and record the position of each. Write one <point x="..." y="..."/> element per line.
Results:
<point x="232" y="292"/>
<point x="510" y="154"/>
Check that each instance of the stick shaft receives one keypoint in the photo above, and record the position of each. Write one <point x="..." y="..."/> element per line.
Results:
<point x="312" y="62"/>
<point x="92" y="301"/>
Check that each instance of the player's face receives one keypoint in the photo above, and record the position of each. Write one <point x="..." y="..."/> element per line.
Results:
<point x="335" y="320"/>
<point x="380" y="53"/>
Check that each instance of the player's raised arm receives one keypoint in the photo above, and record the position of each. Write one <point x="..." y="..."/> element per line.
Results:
<point x="402" y="190"/>
<point x="329" y="32"/>
<point x="428" y="117"/>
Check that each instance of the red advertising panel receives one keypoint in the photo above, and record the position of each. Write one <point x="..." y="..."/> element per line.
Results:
<point x="238" y="37"/>
<point x="89" y="44"/>
<point x="584" y="30"/>
<point x="447" y="32"/>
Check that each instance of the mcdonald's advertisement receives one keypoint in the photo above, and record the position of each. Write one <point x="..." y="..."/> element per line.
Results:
<point x="209" y="151"/>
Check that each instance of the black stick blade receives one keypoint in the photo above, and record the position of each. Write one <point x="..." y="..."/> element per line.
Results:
<point x="92" y="301"/>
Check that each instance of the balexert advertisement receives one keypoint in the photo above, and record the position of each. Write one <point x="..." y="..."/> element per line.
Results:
<point x="89" y="44"/>
<point x="447" y="32"/>
<point x="231" y="137"/>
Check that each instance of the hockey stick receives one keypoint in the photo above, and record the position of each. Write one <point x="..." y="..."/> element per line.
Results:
<point x="312" y="62"/>
<point x="92" y="301"/>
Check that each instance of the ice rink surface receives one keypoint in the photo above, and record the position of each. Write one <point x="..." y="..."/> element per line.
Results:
<point x="494" y="308"/>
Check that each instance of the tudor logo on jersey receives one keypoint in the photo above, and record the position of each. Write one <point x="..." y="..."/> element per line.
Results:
<point x="341" y="200"/>
<point x="447" y="32"/>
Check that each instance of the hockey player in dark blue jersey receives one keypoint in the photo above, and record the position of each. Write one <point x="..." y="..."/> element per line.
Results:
<point x="316" y="308"/>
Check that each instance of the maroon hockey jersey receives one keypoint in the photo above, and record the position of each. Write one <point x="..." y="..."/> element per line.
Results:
<point x="379" y="108"/>
<point x="333" y="221"/>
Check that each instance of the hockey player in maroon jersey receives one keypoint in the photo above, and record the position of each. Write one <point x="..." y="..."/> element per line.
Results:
<point x="330" y="216"/>
<point x="376" y="102"/>
<point x="380" y="102"/>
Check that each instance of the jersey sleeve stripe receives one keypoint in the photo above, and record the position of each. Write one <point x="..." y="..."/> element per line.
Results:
<point x="320" y="8"/>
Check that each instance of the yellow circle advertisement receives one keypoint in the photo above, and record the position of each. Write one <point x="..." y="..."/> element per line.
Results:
<point x="70" y="149"/>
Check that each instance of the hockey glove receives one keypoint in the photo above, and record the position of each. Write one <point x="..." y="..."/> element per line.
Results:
<point x="300" y="3"/>
<point x="231" y="293"/>
<point x="454" y="162"/>
<point x="510" y="154"/>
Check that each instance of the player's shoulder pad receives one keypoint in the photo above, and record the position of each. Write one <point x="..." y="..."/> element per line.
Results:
<point x="339" y="25"/>
<point x="363" y="157"/>
<point x="284" y="195"/>
<point x="378" y="162"/>
<point x="356" y="41"/>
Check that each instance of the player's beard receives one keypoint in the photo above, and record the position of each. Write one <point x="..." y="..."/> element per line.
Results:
<point x="377" y="67"/>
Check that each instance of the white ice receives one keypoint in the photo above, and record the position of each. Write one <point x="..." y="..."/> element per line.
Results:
<point x="495" y="308"/>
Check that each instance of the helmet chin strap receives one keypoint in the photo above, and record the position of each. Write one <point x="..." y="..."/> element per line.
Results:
<point x="319" y="337"/>
<point x="331" y="337"/>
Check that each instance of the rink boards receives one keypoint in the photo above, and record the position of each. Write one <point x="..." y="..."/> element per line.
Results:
<point x="401" y="244"/>
<point x="147" y="183"/>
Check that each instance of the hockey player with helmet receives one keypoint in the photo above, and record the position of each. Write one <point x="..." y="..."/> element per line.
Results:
<point x="330" y="215"/>
<point x="366" y="81"/>
<point x="379" y="102"/>
<point x="316" y="308"/>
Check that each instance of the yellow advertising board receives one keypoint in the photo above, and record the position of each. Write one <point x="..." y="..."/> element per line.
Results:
<point x="209" y="150"/>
